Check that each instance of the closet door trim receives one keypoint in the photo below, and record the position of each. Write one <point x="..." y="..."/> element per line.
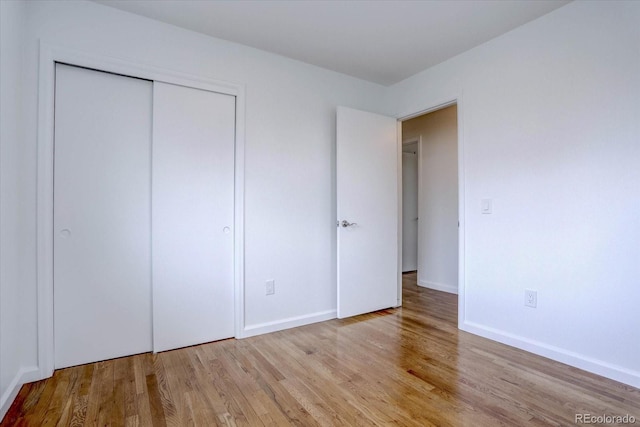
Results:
<point x="49" y="56"/>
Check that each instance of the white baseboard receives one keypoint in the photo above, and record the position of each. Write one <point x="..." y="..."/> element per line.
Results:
<point x="608" y="370"/>
<point x="23" y="376"/>
<point x="291" y="322"/>
<point x="438" y="286"/>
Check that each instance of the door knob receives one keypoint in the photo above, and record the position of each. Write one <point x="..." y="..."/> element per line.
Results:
<point x="346" y="223"/>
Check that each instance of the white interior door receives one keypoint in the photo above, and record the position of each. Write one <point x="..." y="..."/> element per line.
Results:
<point x="102" y="219"/>
<point x="193" y="195"/>
<point x="368" y="212"/>
<point x="410" y="210"/>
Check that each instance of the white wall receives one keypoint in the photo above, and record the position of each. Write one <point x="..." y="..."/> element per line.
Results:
<point x="550" y="113"/>
<point x="438" y="210"/>
<point x="12" y="249"/>
<point x="551" y="132"/>
<point x="290" y="156"/>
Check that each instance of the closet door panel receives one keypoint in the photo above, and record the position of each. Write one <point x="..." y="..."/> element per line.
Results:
<point x="102" y="217"/>
<point x="193" y="199"/>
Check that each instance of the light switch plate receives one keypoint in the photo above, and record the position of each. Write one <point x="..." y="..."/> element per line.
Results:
<point x="486" y="206"/>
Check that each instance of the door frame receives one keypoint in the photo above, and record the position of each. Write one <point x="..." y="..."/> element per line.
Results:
<point x="430" y="107"/>
<point x="49" y="56"/>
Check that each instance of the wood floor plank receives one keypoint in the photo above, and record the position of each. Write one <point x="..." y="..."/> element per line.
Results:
<point x="409" y="366"/>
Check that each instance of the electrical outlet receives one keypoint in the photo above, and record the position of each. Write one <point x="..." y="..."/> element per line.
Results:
<point x="530" y="298"/>
<point x="271" y="287"/>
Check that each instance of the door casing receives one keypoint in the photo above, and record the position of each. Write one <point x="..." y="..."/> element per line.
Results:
<point x="49" y="55"/>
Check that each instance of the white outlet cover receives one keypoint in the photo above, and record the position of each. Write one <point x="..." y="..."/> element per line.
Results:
<point x="530" y="298"/>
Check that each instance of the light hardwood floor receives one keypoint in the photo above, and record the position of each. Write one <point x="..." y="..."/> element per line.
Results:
<point x="408" y="366"/>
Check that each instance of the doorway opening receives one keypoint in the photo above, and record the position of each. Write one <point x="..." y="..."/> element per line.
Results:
<point x="430" y="199"/>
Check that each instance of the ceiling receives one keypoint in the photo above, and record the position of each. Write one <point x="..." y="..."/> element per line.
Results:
<point x="379" y="41"/>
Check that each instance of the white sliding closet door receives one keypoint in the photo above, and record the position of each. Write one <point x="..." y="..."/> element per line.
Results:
<point x="193" y="182"/>
<point x="102" y="216"/>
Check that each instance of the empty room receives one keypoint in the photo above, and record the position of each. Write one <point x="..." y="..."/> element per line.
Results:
<point x="204" y="212"/>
